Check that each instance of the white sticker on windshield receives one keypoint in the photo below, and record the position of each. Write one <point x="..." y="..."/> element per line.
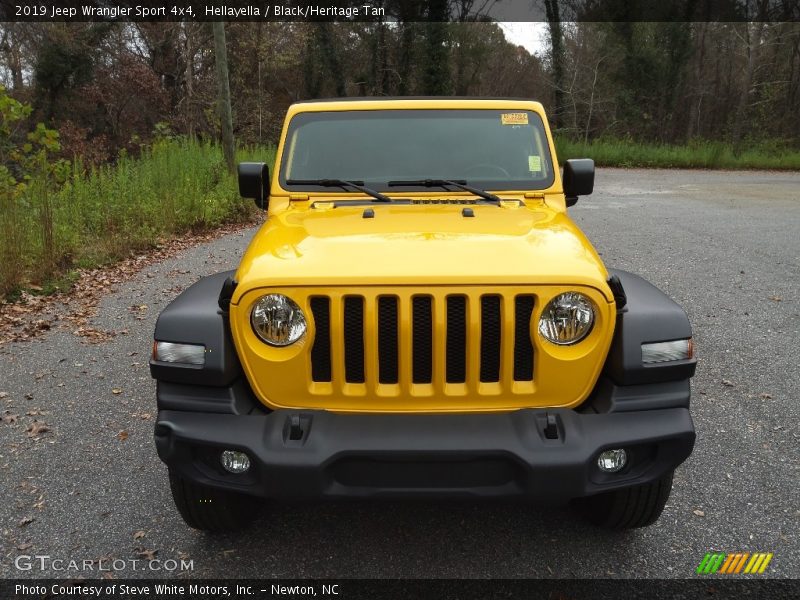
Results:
<point x="514" y="118"/>
<point x="535" y="163"/>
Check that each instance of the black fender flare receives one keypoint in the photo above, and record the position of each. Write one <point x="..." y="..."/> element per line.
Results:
<point x="195" y="317"/>
<point x="649" y="315"/>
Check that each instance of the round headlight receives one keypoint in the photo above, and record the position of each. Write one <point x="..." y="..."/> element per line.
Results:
<point x="278" y="320"/>
<point x="567" y="319"/>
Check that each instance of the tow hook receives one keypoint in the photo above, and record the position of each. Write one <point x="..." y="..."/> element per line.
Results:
<point x="551" y="428"/>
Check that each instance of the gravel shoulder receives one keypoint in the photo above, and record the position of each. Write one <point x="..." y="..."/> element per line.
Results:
<point x="81" y="479"/>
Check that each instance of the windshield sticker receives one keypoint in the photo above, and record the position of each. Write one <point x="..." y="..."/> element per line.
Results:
<point x="535" y="163"/>
<point x="514" y="118"/>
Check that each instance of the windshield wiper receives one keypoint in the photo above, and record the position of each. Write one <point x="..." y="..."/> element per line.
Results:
<point x="356" y="185"/>
<point x="457" y="183"/>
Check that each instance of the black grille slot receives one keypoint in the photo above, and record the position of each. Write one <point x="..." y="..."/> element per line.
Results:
<point x="523" y="348"/>
<point x="456" y="342"/>
<point x="354" y="339"/>
<point x="491" y="327"/>
<point x="422" y="339"/>
<point x="387" y="339"/>
<point x="321" y="350"/>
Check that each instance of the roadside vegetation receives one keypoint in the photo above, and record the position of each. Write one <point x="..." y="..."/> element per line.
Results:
<point x="57" y="215"/>
<point x="697" y="154"/>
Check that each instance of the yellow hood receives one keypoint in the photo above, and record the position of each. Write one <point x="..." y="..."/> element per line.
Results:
<point x="419" y="245"/>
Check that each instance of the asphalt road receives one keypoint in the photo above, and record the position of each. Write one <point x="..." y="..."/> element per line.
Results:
<point x="726" y="246"/>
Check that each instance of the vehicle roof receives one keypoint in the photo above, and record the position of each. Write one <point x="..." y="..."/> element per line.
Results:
<point x="390" y="98"/>
<point x="419" y="102"/>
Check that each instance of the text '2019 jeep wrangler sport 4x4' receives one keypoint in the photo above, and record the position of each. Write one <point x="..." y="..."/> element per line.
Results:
<point x="419" y="316"/>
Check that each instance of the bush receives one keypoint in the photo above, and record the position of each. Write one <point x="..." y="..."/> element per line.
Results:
<point x="697" y="154"/>
<point x="101" y="214"/>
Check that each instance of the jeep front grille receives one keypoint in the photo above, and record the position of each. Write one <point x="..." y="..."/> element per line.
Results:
<point x="422" y="339"/>
<point x="353" y="339"/>
<point x="321" y="352"/>
<point x="457" y="343"/>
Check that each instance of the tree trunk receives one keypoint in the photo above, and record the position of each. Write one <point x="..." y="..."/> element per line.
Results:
<point x="189" y="77"/>
<point x="331" y="55"/>
<point x="409" y="13"/>
<point x="699" y="84"/>
<point x="753" y="44"/>
<point x="405" y="59"/>
<point x="557" y="59"/>
<point x="11" y="47"/>
<point x="753" y="49"/>
<point x="380" y="60"/>
<point x="311" y="79"/>
<point x="224" y="95"/>
<point x="436" y="73"/>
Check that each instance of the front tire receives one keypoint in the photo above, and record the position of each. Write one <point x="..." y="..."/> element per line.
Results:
<point x="212" y="509"/>
<point x="629" y="508"/>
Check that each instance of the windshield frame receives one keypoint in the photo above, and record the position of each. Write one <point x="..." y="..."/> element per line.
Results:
<point x="485" y="184"/>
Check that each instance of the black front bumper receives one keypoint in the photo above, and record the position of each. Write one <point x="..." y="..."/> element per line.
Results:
<point x="493" y="454"/>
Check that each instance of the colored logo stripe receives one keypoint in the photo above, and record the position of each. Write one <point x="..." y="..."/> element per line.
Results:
<point x="726" y="566"/>
<point x="711" y="562"/>
<point x="758" y="563"/>
<point x="734" y="563"/>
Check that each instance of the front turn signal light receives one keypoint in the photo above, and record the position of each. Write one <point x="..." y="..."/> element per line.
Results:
<point x="187" y="354"/>
<point x="660" y="352"/>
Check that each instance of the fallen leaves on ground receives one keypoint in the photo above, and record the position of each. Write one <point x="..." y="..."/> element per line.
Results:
<point x="122" y="435"/>
<point x="776" y="298"/>
<point x="9" y="418"/>
<point x="116" y="391"/>
<point x="727" y="383"/>
<point x="23" y="320"/>
<point x="94" y="336"/>
<point x="138" y="535"/>
<point x="146" y="554"/>
<point x="108" y="558"/>
<point x="26" y="521"/>
<point x="765" y="396"/>
<point x="699" y="513"/>
<point x="37" y="428"/>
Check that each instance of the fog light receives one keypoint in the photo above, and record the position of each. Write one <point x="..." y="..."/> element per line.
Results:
<point x="235" y="461"/>
<point x="612" y="461"/>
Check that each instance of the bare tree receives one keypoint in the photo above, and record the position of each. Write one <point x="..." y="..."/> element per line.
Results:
<point x="224" y="94"/>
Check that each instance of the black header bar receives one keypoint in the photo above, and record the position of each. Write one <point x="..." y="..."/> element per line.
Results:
<point x="393" y="10"/>
<point x="708" y="588"/>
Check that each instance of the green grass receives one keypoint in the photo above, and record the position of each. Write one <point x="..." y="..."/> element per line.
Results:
<point x="105" y="214"/>
<point x="695" y="155"/>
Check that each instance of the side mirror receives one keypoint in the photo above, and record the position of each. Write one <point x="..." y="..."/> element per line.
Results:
<point x="578" y="179"/>
<point x="254" y="183"/>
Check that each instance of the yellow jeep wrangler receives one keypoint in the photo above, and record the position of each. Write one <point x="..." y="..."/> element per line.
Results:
<point x="419" y="316"/>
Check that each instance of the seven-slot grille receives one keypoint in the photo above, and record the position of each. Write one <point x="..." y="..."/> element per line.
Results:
<point x="468" y="339"/>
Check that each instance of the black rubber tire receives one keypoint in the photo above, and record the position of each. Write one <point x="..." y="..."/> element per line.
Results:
<point x="212" y="509"/>
<point x="628" y="508"/>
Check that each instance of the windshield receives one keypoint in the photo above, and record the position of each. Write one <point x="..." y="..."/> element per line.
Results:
<point x="491" y="149"/>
